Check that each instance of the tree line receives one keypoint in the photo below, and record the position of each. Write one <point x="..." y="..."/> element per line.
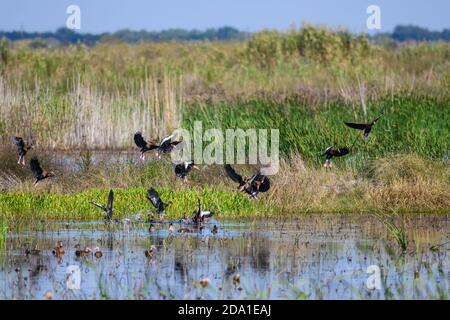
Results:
<point x="401" y="33"/>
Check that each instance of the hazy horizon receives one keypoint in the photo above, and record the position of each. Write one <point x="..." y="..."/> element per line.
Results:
<point x="110" y="16"/>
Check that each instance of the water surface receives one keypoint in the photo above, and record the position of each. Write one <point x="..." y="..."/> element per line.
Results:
<point x="313" y="257"/>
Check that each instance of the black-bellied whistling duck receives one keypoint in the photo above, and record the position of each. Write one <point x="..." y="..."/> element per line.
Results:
<point x="201" y="216"/>
<point x="331" y="152"/>
<point x="155" y="199"/>
<point x="108" y="210"/>
<point x="82" y="252"/>
<point x="367" y="127"/>
<point x="150" y="253"/>
<point x="182" y="169"/>
<point x="166" y="145"/>
<point x="242" y="180"/>
<point x="58" y="250"/>
<point x="97" y="253"/>
<point x="38" y="172"/>
<point x="22" y="148"/>
<point x="144" y="145"/>
<point x="256" y="184"/>
<point x="253" y="185"/>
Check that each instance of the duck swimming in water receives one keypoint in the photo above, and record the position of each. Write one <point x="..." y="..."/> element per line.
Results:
<point x="82" y="253"/>
<point x="331" y="152"/>
<point x="58" y="250"/>
<point x="97" y="253"/>
<point x="150" y="253"/>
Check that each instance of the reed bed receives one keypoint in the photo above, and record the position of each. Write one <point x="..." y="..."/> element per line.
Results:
<point x="86" y="116"/>
<point x="73" y="96"/>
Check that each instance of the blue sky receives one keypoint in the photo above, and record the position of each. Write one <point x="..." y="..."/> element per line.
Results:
<point x="248" y="15"/>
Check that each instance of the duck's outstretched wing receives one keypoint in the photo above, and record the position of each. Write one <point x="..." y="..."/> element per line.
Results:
<point x="98" y="205"/>
<point x="110" y="200"/>
<point x="233" y="174"/>
<point x="264" y="185"/>
<point x="142" y="143"/>
<point x="36" y="167"/>
<point x="359" y="126"/>
<point x="341" y="152"/>
<point x="377" y="118"/>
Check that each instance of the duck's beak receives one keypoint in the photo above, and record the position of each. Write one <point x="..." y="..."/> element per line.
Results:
<point x="195" y="167"/>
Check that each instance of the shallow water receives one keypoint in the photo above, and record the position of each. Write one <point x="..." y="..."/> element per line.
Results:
<point x="313" y="257"/>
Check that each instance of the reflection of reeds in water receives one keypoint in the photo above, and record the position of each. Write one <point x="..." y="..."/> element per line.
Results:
<point x="90" y="116"/>
<point x="3" y="233"/>
<point x="396" y="230"/>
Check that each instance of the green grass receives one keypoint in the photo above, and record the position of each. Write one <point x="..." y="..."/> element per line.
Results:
<point x="26" y="206"/>
<point x="418" y="125"/>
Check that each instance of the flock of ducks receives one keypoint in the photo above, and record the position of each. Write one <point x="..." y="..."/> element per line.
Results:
<point x="251" y="185"/>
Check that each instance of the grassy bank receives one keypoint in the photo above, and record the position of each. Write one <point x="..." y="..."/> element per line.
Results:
<point x="395" y="183"/>
<point x="305" y="82"/>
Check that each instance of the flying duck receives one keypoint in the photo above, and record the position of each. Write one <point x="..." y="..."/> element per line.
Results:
<point x="367" y="127"/>
<point x="257" y="183"/>
<point x="182" y="169"/>
<point x="242" y="180"/>
<point x="144" y="145"/>
<point x="160" y="206"/>
<point x="22" y="148"/>
<point x="108" y="210"/>
<point x="330" y="152"/>
<point x="201" y="216"/>
<point x="166" y="145"/>
<point x="38" y="172"/>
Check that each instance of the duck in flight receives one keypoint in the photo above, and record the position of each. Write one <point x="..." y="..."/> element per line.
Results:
<point x="253" y="185"/>
<point x="143" y="144"/>
<point x="367" y="127"/>
<point x="182" y="169"/>
<point x="331" y="152"/>
<point x="166" y="145"/>
<point x="22" y="149"/>
<point x="38" y="172"/>
<point x="155" y="199"/>
<point x="201" y="216"/>
<point x="108" y="210"/>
